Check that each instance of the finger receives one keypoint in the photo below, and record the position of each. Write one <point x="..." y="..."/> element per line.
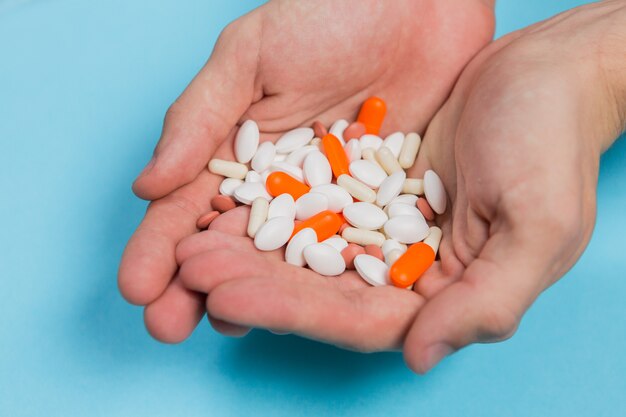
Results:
<point x="175" y="314"/>
<point x="205" y="113"/>
<point x="228" y="329"/>
<point x="234" y="222"/>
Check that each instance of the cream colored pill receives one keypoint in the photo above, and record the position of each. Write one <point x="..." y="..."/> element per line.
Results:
<point x="292" y="170"/>
<point x="368" y="173"/>
<point x="258" y="215"/>
<point x="413" y="186"/>
<point x="282" y="206"/>
<point x="435" y="192"/>
<point x="391" y="245"/>
<point x="353" y="150"/>
<point x="434" y="238"/>
<point x="394" y="143"/>
<point x="370" y="141"/>
<point x="324" y="259"/>
<point x="247" y="192"/>
<point x="263" y="157"/>
<point x="228" y="169"/>
<point x="316" y="142"/>
<point x="373" y="271"/>
<point x="246" y="141"/>
<point x="410" y="147"/>
<point x="336" y="242"/>
<point x="400" y="209"/>
<point x="363" y="237"/>
<point x="356" y="188"/>
<point x="338" y="198"/>
<point x="365" y="216"/>
<point x="337" y="129"/>
<point x="390" y="188"/>
<point x="409" y="199"/>
<point x="392" y="257"/>
<point x="302" y="239"/>
<point x="386" y="160"/>
<point x="294" y="139"/>
<point x="310" y="204"/>
<point x="274" y="233"/>
<point x="297" y="157"/>
<point x="406" y="229"/>
<point x="369" y="154"/>
<point x="317" y="169"/>
<point x="229" y="185"/>
<point x="253" y="176"/>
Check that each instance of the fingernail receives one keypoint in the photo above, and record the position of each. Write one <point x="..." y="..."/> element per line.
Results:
<point x="148" y="167"/>
<point x="434" y="354"/>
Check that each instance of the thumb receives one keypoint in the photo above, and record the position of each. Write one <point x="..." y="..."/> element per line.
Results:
<point x="202" y="117"/>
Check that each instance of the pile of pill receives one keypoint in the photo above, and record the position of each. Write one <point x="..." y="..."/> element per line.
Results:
<point x="338" y="198"/>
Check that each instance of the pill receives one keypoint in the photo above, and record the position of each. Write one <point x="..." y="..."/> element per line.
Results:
<point x="294" y="251"/>
<point x="356" y="189"/>
<point x="343" y="227"/>
<point x="411" y="265"/>
<point x="372" y="114"/>
<point x="374" y="251"/>
<point x="294" y="139"/>
<point x="228" y="169"/>
<point x="413" y="186"/>
<point x="282" y="206"/>
<point x="310" y="204"/>
<point x="229" y="185"/>
<point x="336" y="155"/>
<point x="263" y="157"/>
<point x="435" y="192"/>
<point x="363" y="237"/>
<point x="401" y="209"/>
<point x="368" y="173"/>
<point x="354" y="131"/>
<point x="353" y="150"/>
<point x="390" y="188"/>
<point x="273" y="234"/>
<point x="434" y="238"/>
<point x="391" y="244"/>
<point x="370" y="141"/>
<point x="279" y="157"/>
<point x="253" y="176"/>
<point x="337" y="130"/>
<point x="365" y="216"/>
<point x="316" y="142"/>
<point x="297" y="157"/>
<point x="324" y="259"/>
<point x="394" y="143"/>
<point x="205" y="220"/>
<point x="222" y="203"/>
<point x="386" y="160"/>
<point x="247" y="192"/>
<point x="292" y="170"/>
<point x="410" y="199"/>
<point x="246" y="141"/>
<point x="350" y="252"/>
<point x="280" y="183"/>
<point x="325" y="224"/>
<point x="258" y="215"/>
<point x="338" y="198"/>
<point x="392" y="257"/>
<point x="425" y="209"/>
<point x="409" y="150"/>
<point x="369" y="154"/>
<point x="319" y="130"/>
<point x="373" y="271"/>
<point x="336" y="242"/>
<point x="317" y="169"/>
<point x="406" y="229"/>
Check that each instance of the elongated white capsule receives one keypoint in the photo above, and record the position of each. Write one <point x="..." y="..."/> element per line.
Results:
<point x="410" y="147"/>
<point x="413" y="186"/>
<point x="294" y="139"/>
<point x="394" y="143"/>
<point x="363" y="237"/>
<point x="365" y="216"/>
<point x="317" y="169"/>
<point x="390" y="188"/>
<point x="434" y="238"/>
<point x="373" y="271"/>
<point x="229" y="185"/>
<point x="246" y="141"/>
<point x="258" y="215"/>
<point x="435" y="192"/>
<point x="356" y="188"/>
<point x="282" y="206"/>
<point x="263" y="157"/>
<point x="386" y="160"/>
<point x="368" y="173"/>
<point x="228" y="169"/>
<point x="273" y="234"/>
<point x="337" y="129"/>
<point x="324" y="259"/>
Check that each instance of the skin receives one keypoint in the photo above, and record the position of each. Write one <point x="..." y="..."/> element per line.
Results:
<point x="285" y="65"/>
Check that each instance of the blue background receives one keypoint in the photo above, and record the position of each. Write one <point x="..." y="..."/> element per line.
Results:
<point x="83" y="89"/>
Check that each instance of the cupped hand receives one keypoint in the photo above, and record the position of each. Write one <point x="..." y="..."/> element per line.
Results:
<point x="517" y="146"/>
<point x="284" y="65"/>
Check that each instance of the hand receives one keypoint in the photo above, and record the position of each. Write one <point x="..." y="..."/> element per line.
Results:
<point x="517" y="146"/>
<point x="285" y="65"/>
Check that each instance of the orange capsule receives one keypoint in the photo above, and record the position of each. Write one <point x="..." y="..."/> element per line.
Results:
<point x="336" y="155"/>
<point x="325" y="224"/>
<point x="372" y="114"/>
<point x="278" y="183"/>
<point x="411" y="265"/>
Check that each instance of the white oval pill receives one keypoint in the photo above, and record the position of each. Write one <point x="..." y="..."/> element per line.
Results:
<point x="279" y="157"/>
<point x="336" y="242"/>
<point x="368" y="173"/>
<point x="370" y="141"/>
<point x="337" y="129"/>
<point x="282" y="206"/>
<point x="394" y="143"/>
<point x="434" y="191"/>
<point x="249" y="191"/>
<point x="229" y="185"/>
<point x="297" y="157"/>
<point x="253" y="176"/>
<point x="391" y="245"/>
<point x="324" y="259"/>
<point x="400" y="209"/>
<point x="338" y="198"/>
<point x="292" y="170"/>
<point x="258" y="215"/>
<point x="246" y="141"/>
<point x="390" y="188"/>
<point x="373" y="271"/>
<point x="365" y="216"/>
<point x="409" y="150"/>
<point x="274" y="233"/>
<point x="406" y="229"/>
<point x="317" y="169"/>
<point x="353" y="150"/>
<point x="409" y="199"/>
<point x="302" y="239"/>
<point x="294" y="139"/>
<point x="310" y="204"/>
<point x="263" y="157"/>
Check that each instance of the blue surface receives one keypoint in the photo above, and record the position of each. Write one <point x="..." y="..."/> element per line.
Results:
<point x="83" y="90"/>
